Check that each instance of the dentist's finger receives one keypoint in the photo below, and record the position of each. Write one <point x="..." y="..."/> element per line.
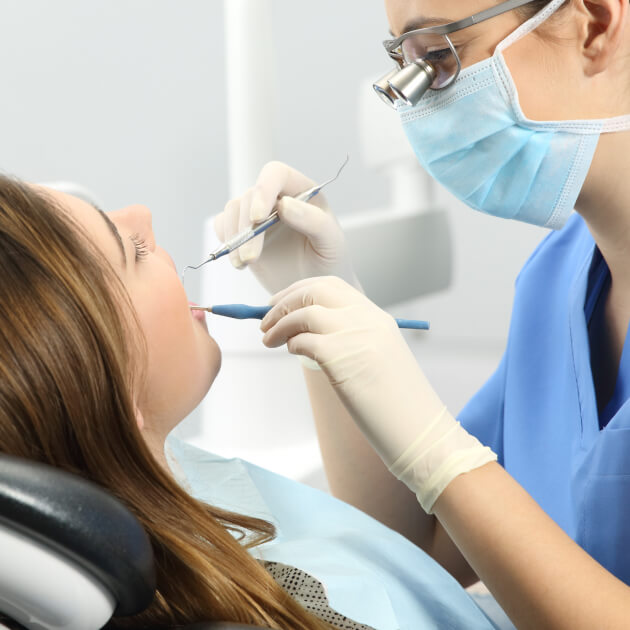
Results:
<point x="300" y="295"/>
<point x="318" y="225"/>
<point x="315" y="319"/>
<point x="244" y="222"/>
<point x="300" y="284"/>
<point x="328" y="291"/>
<point x="219" y="219"/>
<point x="274" y="181"/>
<point x="307" y="345"/>
<point x="250" y="251"/>
<point x="225" y="222"/>
<point x="233" y="224"/>
<point x="331" y="295"/>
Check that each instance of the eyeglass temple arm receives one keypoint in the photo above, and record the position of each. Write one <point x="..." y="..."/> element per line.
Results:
<point x="451" y="27"/>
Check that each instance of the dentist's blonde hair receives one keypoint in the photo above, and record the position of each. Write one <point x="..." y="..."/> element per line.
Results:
<point x="529" y="10"/>
<point x="70" y="357"/>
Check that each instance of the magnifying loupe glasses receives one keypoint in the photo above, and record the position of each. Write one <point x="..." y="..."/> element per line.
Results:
<point x="424" y="61"/>
<point x="426" y="58"/>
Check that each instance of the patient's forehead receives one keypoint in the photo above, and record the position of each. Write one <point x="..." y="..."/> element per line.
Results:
<point x="91" y="221"/>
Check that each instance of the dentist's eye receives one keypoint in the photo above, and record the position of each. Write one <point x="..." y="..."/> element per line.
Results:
<point x="437" y="56"/>
<point x="140" y="246"/>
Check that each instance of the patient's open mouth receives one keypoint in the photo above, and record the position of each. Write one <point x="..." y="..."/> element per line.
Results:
<point x="200" y="316"/>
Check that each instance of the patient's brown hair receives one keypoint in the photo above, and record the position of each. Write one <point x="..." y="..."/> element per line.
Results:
<point x="69" y="356"/>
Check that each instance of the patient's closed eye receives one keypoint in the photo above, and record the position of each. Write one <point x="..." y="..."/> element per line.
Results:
<point x="140" y="245"/>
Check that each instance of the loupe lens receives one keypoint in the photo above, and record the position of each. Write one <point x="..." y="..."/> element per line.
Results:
<point x="436" y="50"/>
<point x="411" y="82"/>
<point x="382" y="88"/>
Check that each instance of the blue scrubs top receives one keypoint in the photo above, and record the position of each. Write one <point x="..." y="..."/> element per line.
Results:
<point x="538" y="412"/>
<point x="370" y="573"/>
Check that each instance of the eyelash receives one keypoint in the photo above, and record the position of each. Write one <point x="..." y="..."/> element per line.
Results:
<point x="142" y="250"/>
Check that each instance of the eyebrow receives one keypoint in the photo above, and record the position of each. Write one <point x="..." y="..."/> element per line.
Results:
<point x="423" y="22"/>
<point x="114" y="230"/>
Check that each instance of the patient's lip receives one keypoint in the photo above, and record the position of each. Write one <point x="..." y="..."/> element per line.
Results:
<point x="200" y="316"/>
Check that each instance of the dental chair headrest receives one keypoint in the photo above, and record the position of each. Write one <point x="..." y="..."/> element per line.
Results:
<point x="81" y="522"/>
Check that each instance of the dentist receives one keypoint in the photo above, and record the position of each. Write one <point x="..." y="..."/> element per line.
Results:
<point x="526" y="116"/>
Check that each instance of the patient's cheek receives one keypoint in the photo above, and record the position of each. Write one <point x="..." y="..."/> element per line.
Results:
<point x="209" y="361"/>
<point x="183" y="360"/>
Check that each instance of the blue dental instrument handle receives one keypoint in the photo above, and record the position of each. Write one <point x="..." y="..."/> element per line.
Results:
<point x="412" y="324"/>
<point x="243" y="311"/>
<point x="240" y="311"/>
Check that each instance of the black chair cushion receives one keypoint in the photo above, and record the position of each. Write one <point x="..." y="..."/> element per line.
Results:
<point x="222" y="625"/>
<point x="81" y="521"/>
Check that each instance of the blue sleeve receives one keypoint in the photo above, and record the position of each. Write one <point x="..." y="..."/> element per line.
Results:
<point x="483" y="415"/>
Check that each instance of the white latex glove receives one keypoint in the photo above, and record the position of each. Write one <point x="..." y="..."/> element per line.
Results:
<point x="307" y="241"/>
<point x="360" y="349"/>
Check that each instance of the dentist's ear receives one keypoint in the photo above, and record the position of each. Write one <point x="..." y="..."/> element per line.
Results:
<point x="603" y="30"/>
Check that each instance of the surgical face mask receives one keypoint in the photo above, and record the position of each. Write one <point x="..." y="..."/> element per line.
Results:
<point x="475" y="140"/>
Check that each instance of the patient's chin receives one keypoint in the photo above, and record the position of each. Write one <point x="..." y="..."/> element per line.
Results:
<point x="210" y="367"/>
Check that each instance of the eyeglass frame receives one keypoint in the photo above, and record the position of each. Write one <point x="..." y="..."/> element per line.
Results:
<point x="391" y="45"/>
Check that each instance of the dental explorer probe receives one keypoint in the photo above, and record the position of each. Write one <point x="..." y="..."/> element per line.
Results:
<point x="272" y="219"/>
<point x="243" y="311"/>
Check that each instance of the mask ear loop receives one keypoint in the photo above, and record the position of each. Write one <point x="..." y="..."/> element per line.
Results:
<point x="507" y="84"/>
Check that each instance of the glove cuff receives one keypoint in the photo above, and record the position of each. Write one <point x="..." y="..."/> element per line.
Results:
<point x="458" y="463"/>
<point x="443" y="451"/>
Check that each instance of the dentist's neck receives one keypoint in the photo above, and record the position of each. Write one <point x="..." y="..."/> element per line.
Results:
<point x="605" y="206"/>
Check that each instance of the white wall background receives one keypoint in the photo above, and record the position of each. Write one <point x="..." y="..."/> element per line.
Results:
<point x="127" y="98"/>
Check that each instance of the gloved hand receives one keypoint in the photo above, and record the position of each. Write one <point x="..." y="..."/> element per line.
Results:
<point x="307" y="241"/>
<point x="374" y="373"/>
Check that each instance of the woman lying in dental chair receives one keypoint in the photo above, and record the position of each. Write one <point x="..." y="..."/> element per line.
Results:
<point x="100" y="359"/>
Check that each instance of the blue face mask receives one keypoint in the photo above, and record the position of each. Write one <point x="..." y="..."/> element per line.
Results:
<point x="475" y="140"/>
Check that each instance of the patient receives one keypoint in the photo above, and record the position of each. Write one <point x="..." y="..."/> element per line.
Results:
<point x="100" y="358"/>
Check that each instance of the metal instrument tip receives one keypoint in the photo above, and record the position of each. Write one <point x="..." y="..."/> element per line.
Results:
<point x="199" y="266"/>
